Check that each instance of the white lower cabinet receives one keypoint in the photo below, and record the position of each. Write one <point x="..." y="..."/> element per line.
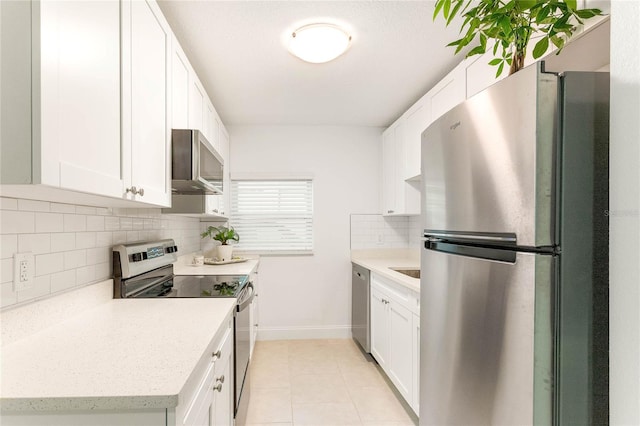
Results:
<point x="400" y="365"/>
<point x="379" y="326"/>
<point x="212" y="402"/>
<point x="394" y="340"/>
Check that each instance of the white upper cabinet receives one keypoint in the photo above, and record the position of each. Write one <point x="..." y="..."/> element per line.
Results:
<point x="197" y="102"/>
<point x="146" y="100"/>
<point x="62" y="128"/>
<point x="449" y="92"/>
<point x="399" y="197"/>
<point x="180" y="70"/>
<point x="417" y="118"/>
<point x="80" y="96"/>
<point x="391" y="149"/>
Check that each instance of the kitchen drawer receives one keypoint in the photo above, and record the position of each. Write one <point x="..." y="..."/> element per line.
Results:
<point x="397" y="292"/>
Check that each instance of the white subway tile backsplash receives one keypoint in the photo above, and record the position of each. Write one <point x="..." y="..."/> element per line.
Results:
<point x="72" y="243"/>
<point x="103" y="271"/>
<point x="377" y="231"/>
<point x="111" y="223"/>
<point x="41" y="287"/>
<point x="6" y="270"/>
<point x="126" y="223"/>
<point x="119" y="237"/>
<point x="8" y="245"/>
<point x="86" y="210"/>
<point x="34" y="206"/>
<point x="8" y="203"/>
<point x="63" y="208"/>
<point x="7" y="295"/>
<point x="137" y="223"/>
<point x="48" y="263"/>
<point x="35" y="243"/>
<point x="75" y="223"/>
<point x="104" y="239"/>
<point x="17" y="222"/>
<point x="85" y="240"/>
<point x="75" y="259"/>
<point x="49" y="222"/>
<point x="98" y="255"/>
<point x="63" y="280"/>
<point x="86" y="274"/>
<point x="63" y="241"/>
<point x="95" y="223"/>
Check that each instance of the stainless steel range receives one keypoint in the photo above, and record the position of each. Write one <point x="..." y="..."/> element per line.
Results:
<point x="145" y="270"/>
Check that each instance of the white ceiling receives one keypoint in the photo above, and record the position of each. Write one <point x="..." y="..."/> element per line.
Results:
<point x="237" y="49"/>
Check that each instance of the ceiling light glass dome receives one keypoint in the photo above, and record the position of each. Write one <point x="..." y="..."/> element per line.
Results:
<point x="318" y="43"/>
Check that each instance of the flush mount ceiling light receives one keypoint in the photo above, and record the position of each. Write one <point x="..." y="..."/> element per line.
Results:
<point x="319" y="43"/>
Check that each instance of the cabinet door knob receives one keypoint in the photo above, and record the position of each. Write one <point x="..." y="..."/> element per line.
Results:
<point x="220" y="379"/>
<point x="217" y="354"/>
<point x="136" y="191"/>
<point x="218" y="387"/>
<point x="389" y="211"/>
<point x="255" y="325"/>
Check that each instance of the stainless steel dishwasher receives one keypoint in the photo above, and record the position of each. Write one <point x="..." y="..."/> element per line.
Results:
<point x="360" y="311"/>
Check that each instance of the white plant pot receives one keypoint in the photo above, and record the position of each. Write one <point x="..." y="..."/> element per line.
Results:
<point x="224" y="253"/>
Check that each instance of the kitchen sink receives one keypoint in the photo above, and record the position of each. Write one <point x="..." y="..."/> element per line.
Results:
<point x="413" y="273"/>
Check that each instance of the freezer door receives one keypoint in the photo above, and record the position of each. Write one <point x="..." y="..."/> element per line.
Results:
<point x="486" y="340"/>
<point x="488" y="165"/>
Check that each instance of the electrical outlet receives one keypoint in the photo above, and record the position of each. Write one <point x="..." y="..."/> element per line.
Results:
<point x="23" y="266"/>
<point x="380" y="239"/>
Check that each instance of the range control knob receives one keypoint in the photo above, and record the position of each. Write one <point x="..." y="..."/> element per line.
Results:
<point x="136" y="257"/>
<point x="171" y="249"/>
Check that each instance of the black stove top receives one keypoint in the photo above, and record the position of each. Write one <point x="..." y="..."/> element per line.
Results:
<point x="207" y="285"/>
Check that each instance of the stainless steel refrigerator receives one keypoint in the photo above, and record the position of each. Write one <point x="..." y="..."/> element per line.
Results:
<point x="514" y="287"/>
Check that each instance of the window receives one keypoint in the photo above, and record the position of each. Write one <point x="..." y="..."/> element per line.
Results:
<point x="273" y="215"/>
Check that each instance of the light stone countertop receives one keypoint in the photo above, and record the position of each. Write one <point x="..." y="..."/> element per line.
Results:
<point x="380" y="261"/>
<point x="184" y="267"/>
<point x="122" y="354"/>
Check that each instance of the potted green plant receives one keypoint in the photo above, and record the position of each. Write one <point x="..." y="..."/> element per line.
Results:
<point x="511" y="24"/>
<point x="224" y="235"/>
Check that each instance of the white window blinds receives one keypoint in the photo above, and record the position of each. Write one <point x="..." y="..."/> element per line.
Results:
<point x="273" y="215"/>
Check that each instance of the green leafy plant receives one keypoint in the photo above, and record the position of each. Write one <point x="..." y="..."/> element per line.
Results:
<point x="511" y="24"/>
<point x="222" y="234"/>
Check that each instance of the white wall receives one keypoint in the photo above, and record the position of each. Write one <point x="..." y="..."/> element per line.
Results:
<point x="624" y="283"/>
<point x="310" y="296"/>
<point x="72" y="243"/>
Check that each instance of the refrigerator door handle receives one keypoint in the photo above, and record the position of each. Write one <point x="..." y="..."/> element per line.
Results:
<point x="495" y="254"/>
<point x="492" y="237"/>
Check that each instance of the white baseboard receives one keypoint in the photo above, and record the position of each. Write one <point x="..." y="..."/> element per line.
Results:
<point x="310" y="332"/>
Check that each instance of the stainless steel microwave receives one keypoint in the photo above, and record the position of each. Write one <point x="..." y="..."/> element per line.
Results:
<point x="196" y="166"/>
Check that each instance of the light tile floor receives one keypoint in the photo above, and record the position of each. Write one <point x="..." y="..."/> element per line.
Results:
<point x="319" y="382"/>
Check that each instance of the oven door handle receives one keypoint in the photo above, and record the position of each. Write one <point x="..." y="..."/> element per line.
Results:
<point x="247" y="300"/>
